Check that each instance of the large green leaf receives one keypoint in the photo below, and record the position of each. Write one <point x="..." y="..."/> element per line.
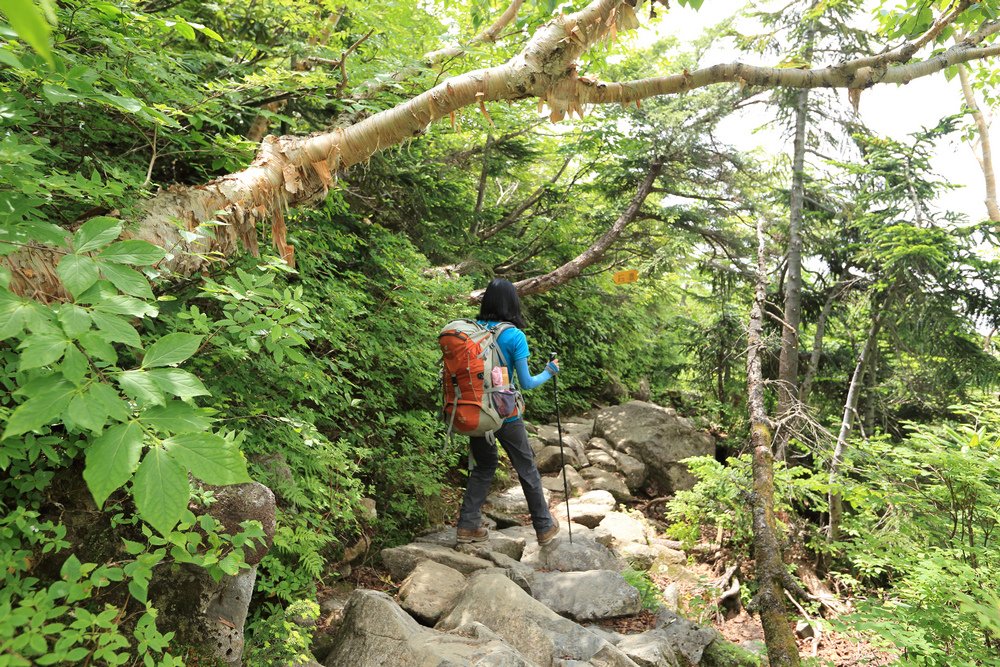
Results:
<point x="177" y="382"/>
<point x="209" y="457"/>
<point x="141" y="387"/>
<point x="78" y="273"/>
<point x="133" y="251"/>
<point x="171" y="349"/>
<point x="28" y="21"/>
<point x="116" y="329"/>
<point x="94" y="345"/>
<point x="13" y="313"/>
<point x="85" y="411"/>
<point x="44" y="407"/>
<point x="110" y="400"/>
<point x="95" y="233"/>
<point x="127" y="280"/>
<point x="176" y="417"/>
<point x="161" y="490"/>
<point x="121" y="304"/>
<point x="74" y="319"/>
<point x="39" y="350"/>
<point x="111" y="460"/>
<point x="74" y="365"/>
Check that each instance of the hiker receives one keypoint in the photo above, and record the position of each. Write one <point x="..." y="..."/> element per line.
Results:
<point x="500" y="305"/>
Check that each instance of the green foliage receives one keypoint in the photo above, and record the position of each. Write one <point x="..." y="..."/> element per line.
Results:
<point x="926" y="517"/>
<point x="719" y="501"/>
<point x="649" y="592"/>
<point x="284" y="636"/>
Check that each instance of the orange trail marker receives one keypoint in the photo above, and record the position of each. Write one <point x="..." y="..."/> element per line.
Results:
<point x="624" y="277"/>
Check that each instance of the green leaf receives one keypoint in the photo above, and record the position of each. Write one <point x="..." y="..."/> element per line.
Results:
<point x="132" y="251"/>
<point x="177" y="382"/>
<point x="176" y="417"/>
<point x="41" y="350"/>
<point x="126" y="305"/>
<point x="98" y="348"/>
<point x="111" y="460"/>
<point x="74" y="365"/>
<point x="9" y="59"/>
<point x="110" y="400"/>
<point x="70" y="569"/>
<point x="13" y="313"/>
<point x="78" y="273"/>
<point x="127" y="280"/>
<point x="95" y="233"/>
<point x="161" y="490"/>
<point x="116" y="329"/>
<point x="29" y="23"/>
<point x="141" y="387"/>
<point x="43" y="408"/>
<point x="58" y="95"/>
<point x="209" y="457"/>
<point x="86" y="412"/>
<point x="74" y="319"/>
<point x="171" y="349"/>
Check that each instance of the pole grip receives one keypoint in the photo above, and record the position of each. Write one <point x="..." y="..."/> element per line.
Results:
<point x="552" y="356"/>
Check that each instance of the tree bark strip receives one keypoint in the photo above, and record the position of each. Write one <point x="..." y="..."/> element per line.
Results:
<point x="293" y="171"/>
<point x="769" y="563"/>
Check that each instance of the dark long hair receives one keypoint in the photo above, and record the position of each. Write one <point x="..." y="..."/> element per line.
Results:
<point x="501" y="304"/>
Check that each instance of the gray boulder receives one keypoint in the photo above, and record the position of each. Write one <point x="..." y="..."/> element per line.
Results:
<point x="602" y="459"/>
<point x="658" y="437"/>
<point x="634" y="470"/>
<point x="536" y="444"/>
<point x="687" y="639"/>
<point x="621" y="529"/>
<point x="583" y="554"/>
<point x="582" y="429"/>
<point x="589" y="508"/>
<point x="512" y="500"/>
<point x="600" y="443"/>
<point x="400" y="561"/>
<point x="649" y="649"/>
<point x="607" y="481"/>
<point x="573" y="479"/>
<point x="206" y="614"/>
<point x="497" y="542"/>
<point x="538" y="633"/>
<point x="551" y="458"/>
<point x="586" y="596"/>
<point x="376" y="633"/>
<point x="430" y="591"/>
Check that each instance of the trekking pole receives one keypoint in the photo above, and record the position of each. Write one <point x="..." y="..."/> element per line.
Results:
<point x="562" y="458"/>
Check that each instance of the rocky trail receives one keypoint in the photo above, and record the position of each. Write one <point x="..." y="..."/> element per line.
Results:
<point x="508" y="602"/>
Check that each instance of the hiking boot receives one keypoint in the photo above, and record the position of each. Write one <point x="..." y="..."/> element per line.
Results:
<point x="546" y="536"/>
<point x="467" y="535"/>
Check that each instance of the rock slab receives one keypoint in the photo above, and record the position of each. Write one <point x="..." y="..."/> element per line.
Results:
<point x="586" y="596"/>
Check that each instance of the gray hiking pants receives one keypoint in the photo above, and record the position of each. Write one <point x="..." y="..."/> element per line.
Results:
<point x="514" y="440"/>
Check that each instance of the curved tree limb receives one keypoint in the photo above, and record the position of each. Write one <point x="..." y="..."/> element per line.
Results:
<point x="489" y="35"/>
<point x="572" y="268"/>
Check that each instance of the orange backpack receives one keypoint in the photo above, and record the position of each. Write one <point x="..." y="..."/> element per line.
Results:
<point x="478" y="395"/>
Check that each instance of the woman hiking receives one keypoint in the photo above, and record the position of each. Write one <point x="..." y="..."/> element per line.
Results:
<point x="501" y="304"/>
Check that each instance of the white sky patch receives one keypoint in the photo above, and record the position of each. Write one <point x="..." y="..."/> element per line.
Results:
<point x="891" y="110"/>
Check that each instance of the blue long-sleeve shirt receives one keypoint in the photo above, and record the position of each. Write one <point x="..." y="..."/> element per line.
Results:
<point x="514" y="345"/>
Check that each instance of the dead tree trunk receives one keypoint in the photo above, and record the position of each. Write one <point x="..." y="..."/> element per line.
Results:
<point x="817" y="348"/>
<point x="788" y="360"/>
<point x="770" y="566"/>
<point x="846" y="424"/>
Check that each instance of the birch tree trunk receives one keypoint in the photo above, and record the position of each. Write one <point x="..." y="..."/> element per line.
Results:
<point x="846" y="424"/>
<point x="769" y="563"/>
<point x="986" y="151"/>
